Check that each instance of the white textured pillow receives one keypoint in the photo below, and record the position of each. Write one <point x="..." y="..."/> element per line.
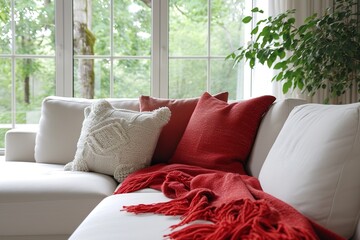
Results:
<point x="60" y="126"/>
<point x="314" y="165"/>
<point x="117" y="142"/>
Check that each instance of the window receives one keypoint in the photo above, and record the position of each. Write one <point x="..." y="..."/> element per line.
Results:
<point x="117" y="48"/>
<point x="27" y="60"/>
<point x="113" y="42"/>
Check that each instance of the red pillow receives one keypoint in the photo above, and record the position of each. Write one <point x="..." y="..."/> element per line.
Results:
<point x="220" y="135"/>
<point x="181" y="110"/>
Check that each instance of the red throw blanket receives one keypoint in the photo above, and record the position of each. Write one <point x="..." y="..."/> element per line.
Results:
<point x="234" y="203"/>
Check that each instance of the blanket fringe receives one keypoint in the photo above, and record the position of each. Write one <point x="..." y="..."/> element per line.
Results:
<point x="244" y="219"/>
<point x="194" y="205"/>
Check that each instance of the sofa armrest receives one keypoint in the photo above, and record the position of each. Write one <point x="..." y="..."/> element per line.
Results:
<point x="20" y="145"/>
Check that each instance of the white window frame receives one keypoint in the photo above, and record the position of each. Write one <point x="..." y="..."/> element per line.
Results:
<point x="159" y="58"/>
<point x="64" y="48"/>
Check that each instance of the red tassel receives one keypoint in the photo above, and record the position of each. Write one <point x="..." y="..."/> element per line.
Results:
<point x="250" y="220"/>
<point x="135" y="183"/>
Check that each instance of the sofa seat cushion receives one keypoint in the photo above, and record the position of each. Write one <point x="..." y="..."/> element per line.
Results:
<point x="40" y="198"/>
<point x="106" y="221"/>
<point x="181" y="111"/>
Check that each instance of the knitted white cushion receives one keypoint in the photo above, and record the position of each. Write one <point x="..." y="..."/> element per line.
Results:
<point x="117" y="142"/>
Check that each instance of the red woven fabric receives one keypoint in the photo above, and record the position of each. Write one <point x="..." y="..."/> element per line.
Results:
<point x="181" y="111"/>
<point x="234" y="203"/>
<point x="220" y="135"/>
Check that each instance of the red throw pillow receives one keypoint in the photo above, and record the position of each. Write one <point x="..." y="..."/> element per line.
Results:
<point x="181" y="110"/>
<point x="220" y="135"/>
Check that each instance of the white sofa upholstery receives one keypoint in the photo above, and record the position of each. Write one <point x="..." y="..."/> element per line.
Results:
<point x="42" y="199"/>
<point x="38" y="200"/>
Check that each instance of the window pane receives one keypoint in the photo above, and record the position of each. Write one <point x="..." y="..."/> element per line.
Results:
<point x="131" y="78"/>
<point x="100" y="26"/>
<point x="99" y="78"/>
<point x="35" y="27"/>
<point x="132" y="28"/>
<point x="35" y="80"/>
<point x="5" y="91"/>
<point x="85" y="34"/>
<point x="91" y="27"/>
<point x="225" y="78"/>
<point x="227" y="31"/>
<point x="188" y="28"/>
<point x="5" y="27"/>
<point x="187" y="78"/>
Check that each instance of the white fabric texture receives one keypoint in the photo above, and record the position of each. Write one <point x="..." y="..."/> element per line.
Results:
<point x="117" y="142"/>
<point x="60" y="126"/>
<point x="269" y="129"/>
<point x="43" y="199"/>
<point x="314" y="165"/>
<point x="108" y="222"/>
<point x="23" y="139"/>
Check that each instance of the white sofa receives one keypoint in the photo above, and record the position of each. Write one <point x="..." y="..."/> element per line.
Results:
<point x="39" y="200"/>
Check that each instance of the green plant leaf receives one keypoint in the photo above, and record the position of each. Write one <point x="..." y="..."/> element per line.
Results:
<point x="255" y="30"/>
<point x="279" y="76"/>
<point x="287" y="85"/>
<point x="270" y="62"/>
<point x="300" y="84"/>
<point x="282" y="54"/>
<point x="280" y="65"/>
<point x="252" y="62"/>
<point x="247" y="19"/>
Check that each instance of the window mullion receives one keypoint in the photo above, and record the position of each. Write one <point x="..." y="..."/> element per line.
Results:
<point x="13" y="62"/>
<point x="208" y="79"/>
<point x="160" y="52"/>
<point x="64" y="48"/>
<point x="59" y="43"/>
<point x="111" y="48"/>
<point x="164" y="49"/>
<point x="155" y="51"/>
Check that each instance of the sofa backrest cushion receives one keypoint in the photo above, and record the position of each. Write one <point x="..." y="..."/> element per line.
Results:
<point x="60" y="126"/>
<point x="268" y="130"/>
<point x="314" y="165"/>
<point x="220" y="135"/>
<point x="181" y="111"/>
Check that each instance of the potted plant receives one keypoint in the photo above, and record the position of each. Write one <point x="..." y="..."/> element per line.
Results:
<point x="324" y="52"/>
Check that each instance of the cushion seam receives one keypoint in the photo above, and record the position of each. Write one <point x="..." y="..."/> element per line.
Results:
<point x="356" y="136"/>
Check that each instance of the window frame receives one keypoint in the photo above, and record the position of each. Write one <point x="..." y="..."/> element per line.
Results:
<point x="159" y="82"/>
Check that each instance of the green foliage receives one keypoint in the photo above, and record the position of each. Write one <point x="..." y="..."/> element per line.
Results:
<point x="324" y="52"/>
<point x="4" y="26"/>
